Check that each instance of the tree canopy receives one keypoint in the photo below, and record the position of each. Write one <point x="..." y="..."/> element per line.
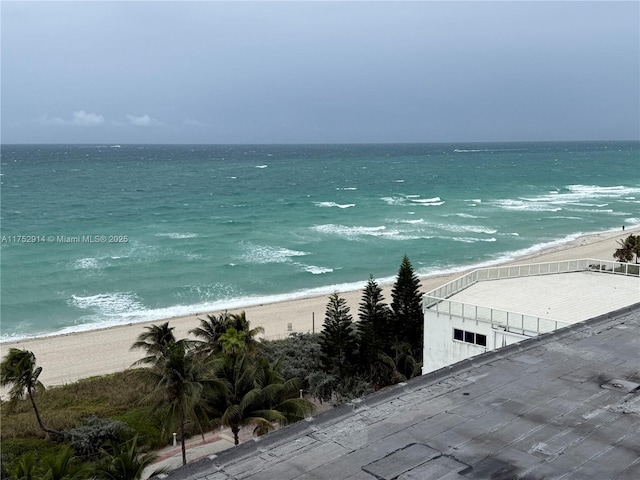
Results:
<point x="406" y="305"/>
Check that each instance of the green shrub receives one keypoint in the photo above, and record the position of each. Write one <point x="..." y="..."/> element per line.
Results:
<point x="87" y="439"/>
<point x="146" y="424"/>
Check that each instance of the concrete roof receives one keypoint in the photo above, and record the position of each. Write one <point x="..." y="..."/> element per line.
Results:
<point x="570" y="297"/>
<point x="562" y="405"/>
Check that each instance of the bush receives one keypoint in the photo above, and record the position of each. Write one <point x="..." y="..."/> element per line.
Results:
<point x="299" y="355"/>
<point x="13" y="449"/>
<point x="147" y="426"/>
<point x="87" y="439"/>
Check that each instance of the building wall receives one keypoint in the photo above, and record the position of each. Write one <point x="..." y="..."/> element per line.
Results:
<point x="450" y="339"/>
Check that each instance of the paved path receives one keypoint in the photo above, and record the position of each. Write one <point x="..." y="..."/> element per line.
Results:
<point x="214" y="442"/>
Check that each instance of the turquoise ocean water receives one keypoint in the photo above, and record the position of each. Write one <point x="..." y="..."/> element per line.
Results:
<point x="98" y="235"/>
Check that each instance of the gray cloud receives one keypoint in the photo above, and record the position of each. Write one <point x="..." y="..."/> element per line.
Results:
<point x="79" y="118"/>
<point x="143" y="121"/>
<point x="313" y="72"/>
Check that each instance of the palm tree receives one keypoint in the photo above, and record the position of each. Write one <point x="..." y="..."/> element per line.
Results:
<point x="19" y="370"/>
<point x="255" y="395"/>
<point x="211" y="332"/>
<point x="124" y="462"/>
<point x="241" y="324"/>
<point x="61" y="467"/>
<point x="233" y="342"/>
<point x="155" y="342"/>
<point x="24" y="467"/>
<point x="629" y="248"/>
<point x="179" y="379"/>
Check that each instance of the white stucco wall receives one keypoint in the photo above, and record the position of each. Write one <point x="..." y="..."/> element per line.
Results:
<point x="441" y="349"/>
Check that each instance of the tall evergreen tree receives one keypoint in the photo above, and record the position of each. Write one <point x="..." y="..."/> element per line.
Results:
<point x="407" y="308"/>
<point x="373" y="334"/>
<point x="338" y="341"/>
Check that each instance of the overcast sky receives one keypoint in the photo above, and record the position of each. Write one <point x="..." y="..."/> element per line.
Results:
<point x="319" y="72"/>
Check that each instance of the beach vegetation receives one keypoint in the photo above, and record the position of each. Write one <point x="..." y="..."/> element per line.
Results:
<point x="629" y="249"/>
<point x="406" y="306"/>
<point x="257" y="395"/>
<point x="338" y="340"/>
<point x="213" y="332"/>
<point x="178" y="378"/>
<point x="298" y="355"/>
<point x="19" y="370"/>
<point x="373" y="326"/>
<point x="64" y="465"/>
<point x="87" y="439"/>
<point x="123" y="461"/>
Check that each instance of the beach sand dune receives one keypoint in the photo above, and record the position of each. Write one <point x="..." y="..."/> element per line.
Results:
<point x="67" y="358"/>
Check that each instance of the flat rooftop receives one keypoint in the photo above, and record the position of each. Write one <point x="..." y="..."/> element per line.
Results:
<point x="569" y="297"/>
<point x="564" y="405"/>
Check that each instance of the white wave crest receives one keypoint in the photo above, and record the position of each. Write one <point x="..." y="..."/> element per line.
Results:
<point x="334" y="204"/>
<point x="452" y="227"/>
<point x="413" y="199"/>
<point x="176" y="235"/>
<point x="571" y="197"/>
<point x="472" y="239"/>
<point x="316" y="270"/>
<point x="262" y="166"/>
<point x="263" y="254"/>
<point x="86" y="264"/>
<point x="352" y="233"/>
<point x="437" y="200"/>
<point x="108" y="304"/>
<point x="394" y="200"/>
<point x="410" y="222"/>
<point x="522" y="205"/>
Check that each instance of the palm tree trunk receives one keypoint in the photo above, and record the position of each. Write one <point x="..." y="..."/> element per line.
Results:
<point x="236" y="437"/>
<point x="182" y="441"/>
<point x="37" y="412"/>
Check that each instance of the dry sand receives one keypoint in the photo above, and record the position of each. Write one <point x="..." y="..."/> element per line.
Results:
<point x="67" y="358"/>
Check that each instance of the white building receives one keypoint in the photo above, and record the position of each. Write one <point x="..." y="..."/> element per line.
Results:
<point x="494" y="307"/>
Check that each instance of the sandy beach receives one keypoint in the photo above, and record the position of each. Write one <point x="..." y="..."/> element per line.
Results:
<point x="67" y="358"/>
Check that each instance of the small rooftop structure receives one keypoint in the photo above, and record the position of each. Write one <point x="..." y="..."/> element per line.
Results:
<point x="490" y="308"/>
<point x="563" y="404"/>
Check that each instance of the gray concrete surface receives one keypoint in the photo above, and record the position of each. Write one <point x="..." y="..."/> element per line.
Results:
<point x="565" y="405"/>
<point x="569" y="297"/>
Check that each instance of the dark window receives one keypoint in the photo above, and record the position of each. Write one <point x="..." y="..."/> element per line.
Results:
<point x="458" y="334"/>
<point x="469" y="337"/>
<point x="481" y="339"/>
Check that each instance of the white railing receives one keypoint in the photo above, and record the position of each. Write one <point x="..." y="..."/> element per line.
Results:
<point x="514" y="322"/>
<point x="515" y="271"/>
<point x="437" y="299"/>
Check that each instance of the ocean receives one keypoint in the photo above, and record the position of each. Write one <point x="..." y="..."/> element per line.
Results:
<point x="100" y="235"/>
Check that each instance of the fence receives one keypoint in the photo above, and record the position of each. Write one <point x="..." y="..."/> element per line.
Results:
<point x="512" y="321"/>
<point x="515" y="271"/>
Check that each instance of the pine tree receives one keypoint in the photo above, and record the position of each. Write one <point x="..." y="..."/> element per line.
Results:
<point x="407" y="308"/>
<point x="373" y="326"/>
<point x="338" y="342"/>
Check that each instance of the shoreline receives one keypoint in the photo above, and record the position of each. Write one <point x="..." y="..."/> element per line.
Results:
<point x="66" y="358"/>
